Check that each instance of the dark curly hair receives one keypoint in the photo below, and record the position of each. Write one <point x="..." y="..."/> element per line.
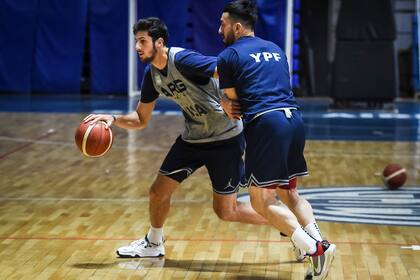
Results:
<point x="155" y="28"/>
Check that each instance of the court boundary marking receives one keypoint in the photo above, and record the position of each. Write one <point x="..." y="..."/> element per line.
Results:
<point x="87" y="238"/>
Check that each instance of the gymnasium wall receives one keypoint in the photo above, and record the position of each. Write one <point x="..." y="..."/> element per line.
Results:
<point x="55" y="46"/>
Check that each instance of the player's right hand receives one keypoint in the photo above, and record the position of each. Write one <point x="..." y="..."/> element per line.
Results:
<point x="94" y="118"/>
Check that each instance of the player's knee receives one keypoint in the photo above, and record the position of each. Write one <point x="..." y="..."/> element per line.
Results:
<point x="227" y="216"/>
<point x="257" y="205"/>
<point x="225" y="213"/>
<point x="153" y="194"/>
<point x="158" y="193"/>
<point x="290" y="197"/>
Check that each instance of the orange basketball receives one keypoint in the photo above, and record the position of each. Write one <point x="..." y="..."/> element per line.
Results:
<point x="394" y="176"/>
<point x="93" y="140"/>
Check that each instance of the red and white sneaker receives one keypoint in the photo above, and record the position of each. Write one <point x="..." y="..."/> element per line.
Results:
<point x="322" y="260"/>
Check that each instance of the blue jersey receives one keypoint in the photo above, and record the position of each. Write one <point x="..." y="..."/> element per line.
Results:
<point x="259" y="72"/>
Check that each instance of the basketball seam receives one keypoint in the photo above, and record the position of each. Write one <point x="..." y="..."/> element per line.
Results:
<point x="110" y="143"/>
<point x="395" y="174"/>
<point x="85" y="138"/>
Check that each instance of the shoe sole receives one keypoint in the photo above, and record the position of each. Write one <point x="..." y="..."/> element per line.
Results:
<point x="137" y="256"/>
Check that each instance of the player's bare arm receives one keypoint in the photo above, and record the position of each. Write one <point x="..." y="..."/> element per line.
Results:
<point x="138" y="119"/>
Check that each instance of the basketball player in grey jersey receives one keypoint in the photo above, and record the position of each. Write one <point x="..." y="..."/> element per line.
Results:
<point x="210" y="138"/>
<point x="205" y="120"/>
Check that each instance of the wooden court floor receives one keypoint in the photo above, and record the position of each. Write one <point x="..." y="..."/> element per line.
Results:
<point x="63" y="215"/>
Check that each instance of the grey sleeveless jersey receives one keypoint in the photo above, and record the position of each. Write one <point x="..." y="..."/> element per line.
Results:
<point x="205" y="120"/>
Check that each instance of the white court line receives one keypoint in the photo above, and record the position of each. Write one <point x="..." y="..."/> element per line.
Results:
<point x="314" y="153"/>
<point x="412" y="247"/>
<point x="74" y="199"/>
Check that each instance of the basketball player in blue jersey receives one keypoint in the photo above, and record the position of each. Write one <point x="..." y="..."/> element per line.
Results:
<point x="210" y="138"/>
<point x="255" y="72"/>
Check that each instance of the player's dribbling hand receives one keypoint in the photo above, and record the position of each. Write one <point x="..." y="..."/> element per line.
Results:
<point x="94" y="118"/>
<point x="231" y="108"/>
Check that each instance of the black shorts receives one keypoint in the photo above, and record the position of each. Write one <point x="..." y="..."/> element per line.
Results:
<point x="223" y="160"/>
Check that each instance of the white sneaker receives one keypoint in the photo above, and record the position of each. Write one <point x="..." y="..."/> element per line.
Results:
<point x="142" y="248"/>
<point x="321" y="262"/>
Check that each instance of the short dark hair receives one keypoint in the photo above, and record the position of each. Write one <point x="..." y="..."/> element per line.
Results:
<point x="155" y="28"/>
<point x="244" y="11"/>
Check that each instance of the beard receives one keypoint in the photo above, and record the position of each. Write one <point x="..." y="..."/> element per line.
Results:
<point x="150" y="58"/>
<point x="229" y="39"/>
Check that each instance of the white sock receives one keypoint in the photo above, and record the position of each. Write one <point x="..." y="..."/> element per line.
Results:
<point x="303" y="241"/>
<point x="313" y="230"/>
<point x="155" y="235"/>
